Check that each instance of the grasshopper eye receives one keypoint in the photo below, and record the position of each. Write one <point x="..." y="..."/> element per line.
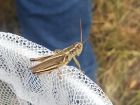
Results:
<point x="71" y="52"/>
<point x="79" y="46"/>
<point x="66" y="57"/>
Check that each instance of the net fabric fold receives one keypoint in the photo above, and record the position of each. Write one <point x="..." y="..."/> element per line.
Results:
<point x="18" y="86"/>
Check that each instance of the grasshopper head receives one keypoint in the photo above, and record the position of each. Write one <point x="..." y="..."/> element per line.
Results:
<point x="78" y="47"/>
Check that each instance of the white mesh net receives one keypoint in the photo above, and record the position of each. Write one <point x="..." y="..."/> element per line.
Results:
<point x="18" y="86"/>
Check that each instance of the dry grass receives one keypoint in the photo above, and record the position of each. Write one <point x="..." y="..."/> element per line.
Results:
<point x="8" y="17"/>
<point x="115" y="36"/>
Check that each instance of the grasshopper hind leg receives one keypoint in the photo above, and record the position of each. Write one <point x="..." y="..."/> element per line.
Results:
<point x="41" y="59"/>
<point x="44" y="57"/>
<point x="49" y="70"/>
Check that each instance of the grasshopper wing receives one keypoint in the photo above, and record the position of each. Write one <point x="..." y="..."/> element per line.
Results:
<point x="52" y="61"/>
<point x="41" y="58"/>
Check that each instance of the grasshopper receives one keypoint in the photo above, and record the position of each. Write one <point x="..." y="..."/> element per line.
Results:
<point x="60" y="57"/>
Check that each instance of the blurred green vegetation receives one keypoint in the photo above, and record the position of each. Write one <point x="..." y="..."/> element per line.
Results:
<point x="8" y="17"/>
<point x="115" y="37"/>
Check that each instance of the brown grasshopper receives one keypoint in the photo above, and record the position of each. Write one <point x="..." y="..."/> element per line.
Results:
<point x="60" y="57"/>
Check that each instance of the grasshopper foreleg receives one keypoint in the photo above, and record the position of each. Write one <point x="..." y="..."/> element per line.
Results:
<point x="78" y="64"/>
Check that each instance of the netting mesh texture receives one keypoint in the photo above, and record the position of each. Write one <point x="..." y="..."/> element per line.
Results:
<point x="18" y="86"/>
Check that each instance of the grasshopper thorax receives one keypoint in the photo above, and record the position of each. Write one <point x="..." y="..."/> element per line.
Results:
<point x="78" y="48"/>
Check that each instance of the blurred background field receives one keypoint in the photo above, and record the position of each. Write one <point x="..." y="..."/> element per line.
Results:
<point x="115" y="37"/>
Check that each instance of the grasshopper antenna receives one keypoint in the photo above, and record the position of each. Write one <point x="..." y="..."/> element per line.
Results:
<point x="85" y="40"/>
<point x="81" y="30"/>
